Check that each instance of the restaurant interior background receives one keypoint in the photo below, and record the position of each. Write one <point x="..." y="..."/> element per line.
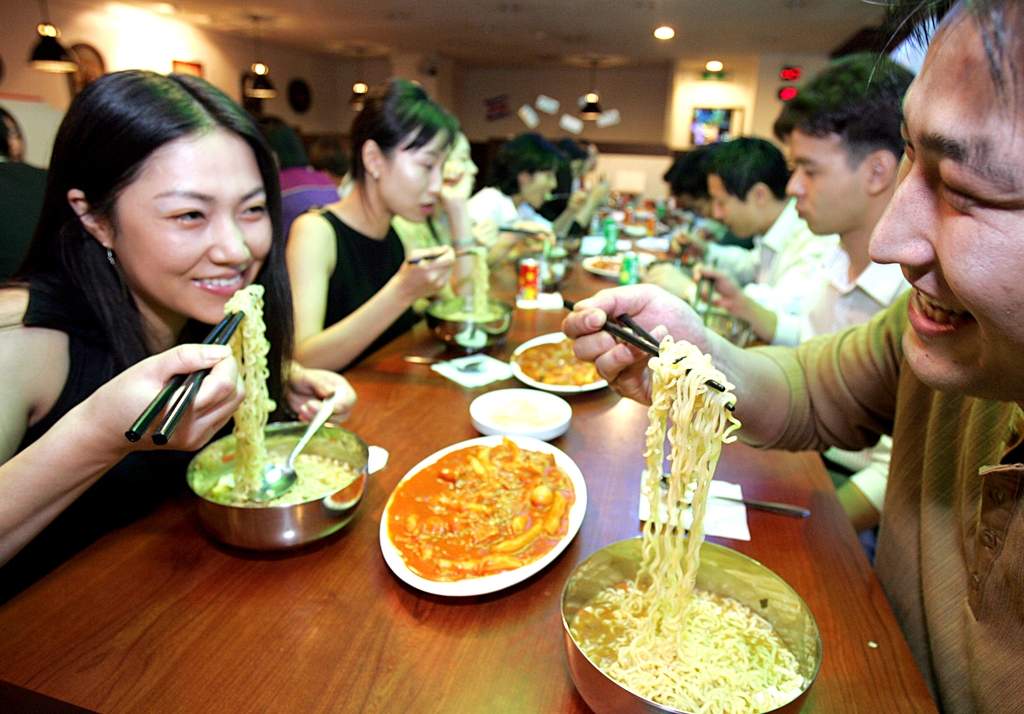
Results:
<point x="482" y="60"/>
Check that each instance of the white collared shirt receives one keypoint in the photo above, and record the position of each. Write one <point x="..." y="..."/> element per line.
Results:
<point x="491" y="204"/>
<point x="780" y="269"/>
<point x="835" y="304"/>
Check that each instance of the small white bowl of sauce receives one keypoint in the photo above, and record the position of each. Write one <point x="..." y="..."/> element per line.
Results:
<point x="521" y="412"/>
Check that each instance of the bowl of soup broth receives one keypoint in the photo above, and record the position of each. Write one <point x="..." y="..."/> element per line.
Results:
<point x="331" y="470"/>
<point x="759" y="634"/>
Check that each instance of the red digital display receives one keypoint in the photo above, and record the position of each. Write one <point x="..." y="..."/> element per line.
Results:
<point x="787" y="93"/>
<point x="790" y="74"/>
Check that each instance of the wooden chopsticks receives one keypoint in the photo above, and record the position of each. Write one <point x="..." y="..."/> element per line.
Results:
<point x="642" y="339"/>
<point x="218" y="336"/>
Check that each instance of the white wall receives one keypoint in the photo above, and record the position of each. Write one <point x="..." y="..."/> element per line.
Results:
<point x="625" y="167"/>
<point x="639" y="93"/>
<point x="130" y="37"/>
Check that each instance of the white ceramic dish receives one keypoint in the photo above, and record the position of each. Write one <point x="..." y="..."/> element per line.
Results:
<point x="557" y="388"/>
<point x="500" y="581"/>
<point x="602" y="264"/>
<point x="521" y="412"/>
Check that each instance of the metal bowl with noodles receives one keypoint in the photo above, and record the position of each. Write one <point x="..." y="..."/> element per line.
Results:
<point x="723" y="572"/>
<point x="332" y="473"/>
<point x="465" y="328"/>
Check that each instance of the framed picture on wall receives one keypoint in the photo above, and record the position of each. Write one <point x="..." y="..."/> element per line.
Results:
<point x="711" y="125"/>
<point x="90" y="67"/>
<point x="193" y="68"/>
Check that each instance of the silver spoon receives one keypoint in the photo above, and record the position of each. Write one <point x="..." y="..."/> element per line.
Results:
<point x="278" y="478"/>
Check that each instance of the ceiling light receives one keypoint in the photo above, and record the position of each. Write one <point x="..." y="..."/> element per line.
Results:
<point x="359" y="90"/>
<point x="49" y="55"/>
<point x="664" y="33"/>
<point x="714" y="66"/>
<point x="260" y="86"/>
<point x="591" y="106"/>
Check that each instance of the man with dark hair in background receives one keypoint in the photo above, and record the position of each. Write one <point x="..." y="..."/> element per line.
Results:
<point x="842" y="132"/>
<point x="21" y="196"/>
<point x="747" y="183"/>
<point x="939" y="370"/>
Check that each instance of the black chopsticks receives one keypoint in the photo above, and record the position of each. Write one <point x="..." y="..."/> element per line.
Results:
<point x="642" y="339"/>
<point x="460" y="251"/>
<point x="218" y="336"/>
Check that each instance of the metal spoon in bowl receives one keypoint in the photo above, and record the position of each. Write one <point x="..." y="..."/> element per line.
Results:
<point x="278" y="478"/>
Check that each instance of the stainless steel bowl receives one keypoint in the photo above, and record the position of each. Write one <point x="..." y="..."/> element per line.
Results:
<point x="722" y="571"/>
<point x="465" y="334"/>
<point x="256" y="527"/>
<point x="735" y="329"/>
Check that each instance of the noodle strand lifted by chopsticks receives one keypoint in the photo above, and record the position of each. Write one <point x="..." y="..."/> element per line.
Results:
<point x="658" y="636"/>
<point x="250" y="347"/>
<point x="700" y="425"/>
<point x="481" y="278"/>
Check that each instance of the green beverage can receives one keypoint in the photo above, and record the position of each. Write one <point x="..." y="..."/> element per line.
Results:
<point x="629" y="274"/>
<point x="611" y="236"/>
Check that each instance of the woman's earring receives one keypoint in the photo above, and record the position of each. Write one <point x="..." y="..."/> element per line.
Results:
<point x="375" y="175"/>
<point x="110" y="257"/>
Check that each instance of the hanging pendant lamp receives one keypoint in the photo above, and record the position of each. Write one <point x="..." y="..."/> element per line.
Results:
<point x="49" y="54"/>
<point x="260" y="86"/>
<point x="591" y="108"/>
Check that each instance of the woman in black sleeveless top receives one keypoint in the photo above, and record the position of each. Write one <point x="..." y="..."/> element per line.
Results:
<point x="162" y="199"/>
<point x="351" y="285"/>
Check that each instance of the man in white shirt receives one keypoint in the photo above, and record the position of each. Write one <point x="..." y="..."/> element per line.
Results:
<point x="842" y="132"/>
<point x="747" y="183"/>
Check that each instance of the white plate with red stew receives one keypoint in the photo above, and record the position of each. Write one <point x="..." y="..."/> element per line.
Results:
<point x="547" y="363"/>
<point x="482" y="515"/>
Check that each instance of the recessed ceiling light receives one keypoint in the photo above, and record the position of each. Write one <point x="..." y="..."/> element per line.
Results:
<point x="664" y="33"/>
<point x="714" y="66"/>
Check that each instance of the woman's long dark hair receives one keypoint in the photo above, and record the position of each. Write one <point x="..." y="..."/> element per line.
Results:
<point x="392" y="113"/>
<point x="109" y="132"/>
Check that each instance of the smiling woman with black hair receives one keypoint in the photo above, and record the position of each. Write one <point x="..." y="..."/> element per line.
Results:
<point x="162" y="200"/>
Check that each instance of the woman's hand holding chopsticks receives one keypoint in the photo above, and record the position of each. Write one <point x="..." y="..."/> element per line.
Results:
<point x="215" y="400"/>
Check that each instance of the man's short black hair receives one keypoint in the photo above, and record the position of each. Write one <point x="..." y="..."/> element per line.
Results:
<point x="858" y="98"/>
<point x="746" y="161"/>
<point x="688" y="175"/>
<point x="999" y="22"/>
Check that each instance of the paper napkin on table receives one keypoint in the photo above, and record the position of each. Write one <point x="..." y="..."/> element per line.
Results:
<point x="477" y="370"/>
<point x="544" y="301"/>
<point x="724" y="519"/>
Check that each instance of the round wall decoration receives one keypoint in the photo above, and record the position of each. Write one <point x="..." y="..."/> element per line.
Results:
<point x="299" y="95"/>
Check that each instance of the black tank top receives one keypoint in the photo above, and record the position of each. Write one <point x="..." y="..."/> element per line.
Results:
<point x="363" y="267"/>
<point x="133" y="487"/>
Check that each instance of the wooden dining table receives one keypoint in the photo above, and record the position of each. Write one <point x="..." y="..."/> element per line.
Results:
<point x="156" y="617"/>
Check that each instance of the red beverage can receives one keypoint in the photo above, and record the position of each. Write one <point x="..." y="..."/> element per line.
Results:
<point x="529" y="278"/>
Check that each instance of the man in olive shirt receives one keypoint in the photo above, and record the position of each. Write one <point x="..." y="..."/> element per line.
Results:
<point x="21" y="197"/>
<point x="939" y="370"/>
